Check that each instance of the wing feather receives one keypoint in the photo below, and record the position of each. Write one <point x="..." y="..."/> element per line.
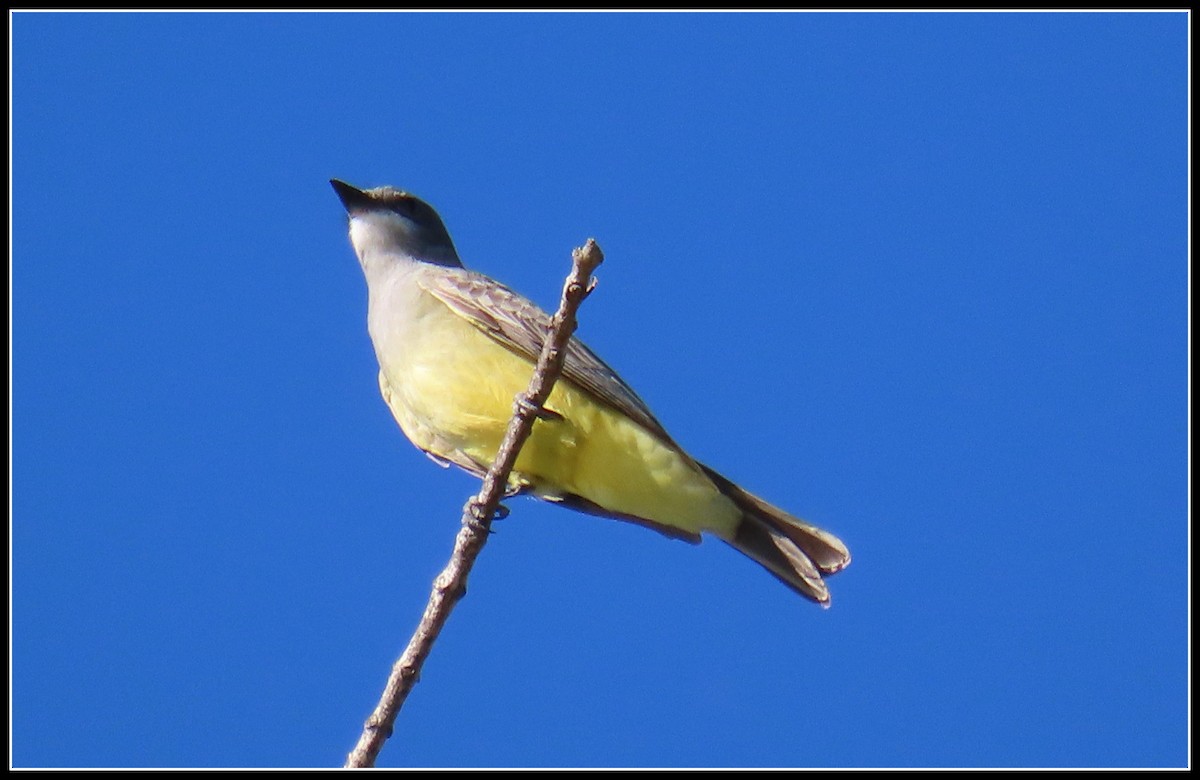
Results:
<point x="518" y="324"/>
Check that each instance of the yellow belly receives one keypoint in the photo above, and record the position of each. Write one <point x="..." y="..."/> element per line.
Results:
<point x="452" y="393"/>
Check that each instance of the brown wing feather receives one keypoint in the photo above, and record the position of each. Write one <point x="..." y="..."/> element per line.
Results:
<point x="517" y="323"/>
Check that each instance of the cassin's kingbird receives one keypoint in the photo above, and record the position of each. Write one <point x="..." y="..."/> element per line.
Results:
<point x="456" y="347"/>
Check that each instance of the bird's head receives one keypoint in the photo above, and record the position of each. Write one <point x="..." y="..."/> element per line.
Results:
<point x="386" y="221"/>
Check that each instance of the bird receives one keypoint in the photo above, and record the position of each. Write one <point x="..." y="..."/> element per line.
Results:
<point x="455" y="347"/>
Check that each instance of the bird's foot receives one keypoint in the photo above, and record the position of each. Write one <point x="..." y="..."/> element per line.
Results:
<point x="522" y="405"/>
<point x="477" y="514"/>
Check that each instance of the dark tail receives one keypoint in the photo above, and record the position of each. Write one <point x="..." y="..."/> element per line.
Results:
<point x="794" y="551"/>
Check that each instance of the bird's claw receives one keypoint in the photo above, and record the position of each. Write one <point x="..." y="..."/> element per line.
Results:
<point x="477" y="514"/>
<point x="525" y="406"/>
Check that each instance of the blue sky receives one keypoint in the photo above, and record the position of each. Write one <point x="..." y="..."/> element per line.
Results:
<point x="920" y="278"/>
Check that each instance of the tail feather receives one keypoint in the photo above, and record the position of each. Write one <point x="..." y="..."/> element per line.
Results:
<point x="796" y="552"/>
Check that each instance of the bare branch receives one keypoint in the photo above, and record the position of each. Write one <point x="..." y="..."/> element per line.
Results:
<point x="451" y="584"/>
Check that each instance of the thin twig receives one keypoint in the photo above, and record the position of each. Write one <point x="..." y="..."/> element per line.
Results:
<point x="451" y="584"/>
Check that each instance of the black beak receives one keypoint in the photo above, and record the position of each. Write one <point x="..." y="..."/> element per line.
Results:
<point x="354" y="199"/>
